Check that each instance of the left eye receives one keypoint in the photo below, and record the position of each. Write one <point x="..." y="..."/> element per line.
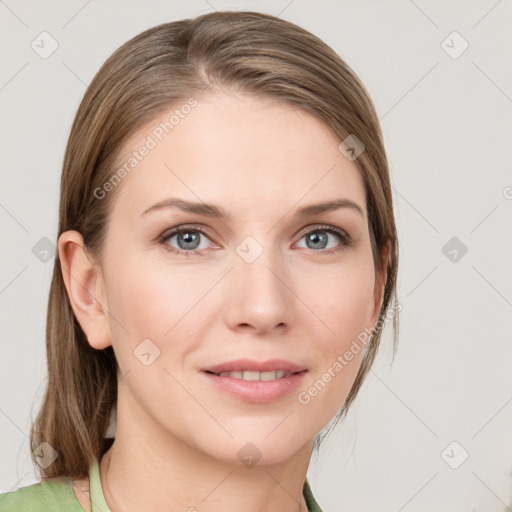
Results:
<point x="318" y="238"/>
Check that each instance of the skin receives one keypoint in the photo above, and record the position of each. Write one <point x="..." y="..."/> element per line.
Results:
<point x="177" y="436"/>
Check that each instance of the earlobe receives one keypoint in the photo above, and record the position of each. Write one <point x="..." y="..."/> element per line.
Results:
<point x="85" y="288"/>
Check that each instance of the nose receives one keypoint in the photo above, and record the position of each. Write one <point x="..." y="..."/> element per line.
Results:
<point x="258" y="295"/>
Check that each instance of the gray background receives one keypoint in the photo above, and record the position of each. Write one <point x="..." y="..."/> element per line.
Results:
<point x="447" y="129"/>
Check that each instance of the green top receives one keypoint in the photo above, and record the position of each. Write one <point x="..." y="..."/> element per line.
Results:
<point x="56" y="495"/>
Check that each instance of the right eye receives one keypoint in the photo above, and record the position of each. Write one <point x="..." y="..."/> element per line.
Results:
<point x="189" y="238"/>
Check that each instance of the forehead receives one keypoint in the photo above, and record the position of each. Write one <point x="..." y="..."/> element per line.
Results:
<point x="245" y="151"/>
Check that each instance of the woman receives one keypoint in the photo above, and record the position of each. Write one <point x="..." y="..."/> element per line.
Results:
<point x="227" y="255"/>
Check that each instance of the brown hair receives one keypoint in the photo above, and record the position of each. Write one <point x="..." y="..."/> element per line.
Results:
<point x="250" y="52"/>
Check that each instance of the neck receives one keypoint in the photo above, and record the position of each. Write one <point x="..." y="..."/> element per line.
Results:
<point x="160" y="472"/>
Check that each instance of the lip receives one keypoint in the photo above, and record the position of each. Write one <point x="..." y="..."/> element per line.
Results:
<point x="256" y="366"/>
<point x="257" y="391"/>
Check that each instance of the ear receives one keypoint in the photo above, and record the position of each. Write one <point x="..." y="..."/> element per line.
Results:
<point x="380" y="282"/>
<point x="86" y="289"/>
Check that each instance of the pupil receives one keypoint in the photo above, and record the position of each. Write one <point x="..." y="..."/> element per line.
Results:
<point x="189" y="238"/>
<point x="315" y="238"/>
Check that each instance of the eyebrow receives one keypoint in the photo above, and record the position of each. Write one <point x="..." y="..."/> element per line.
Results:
<point x="210" y="210"/>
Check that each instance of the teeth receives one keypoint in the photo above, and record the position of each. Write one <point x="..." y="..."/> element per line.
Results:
<point x="249" y="375"/>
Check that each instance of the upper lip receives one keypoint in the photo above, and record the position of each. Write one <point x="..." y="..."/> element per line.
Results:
<point x="255" y="366"/>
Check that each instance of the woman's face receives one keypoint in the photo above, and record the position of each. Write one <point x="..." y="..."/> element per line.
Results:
<point x="262" y="283"/>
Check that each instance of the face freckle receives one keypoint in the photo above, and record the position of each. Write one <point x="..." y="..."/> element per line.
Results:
<point x="262" y="294"/>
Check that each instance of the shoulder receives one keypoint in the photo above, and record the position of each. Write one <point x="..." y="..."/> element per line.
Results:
<point x="55" y="495"/>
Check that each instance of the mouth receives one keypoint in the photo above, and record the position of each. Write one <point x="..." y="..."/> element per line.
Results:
<point x="253" y="375"/>
<point x="254" y="381"/>
<point x="257" y="391"/>
<point x="250" y="369"/>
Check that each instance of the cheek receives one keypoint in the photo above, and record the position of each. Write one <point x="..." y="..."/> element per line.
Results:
<point x="341" y="302"/>
<point x="344" y="304"/>
<point x="149" y="305"/>
<point x="152" y="299"/>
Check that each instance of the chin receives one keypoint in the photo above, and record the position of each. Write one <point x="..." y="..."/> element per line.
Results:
<point x="259" y="450"/>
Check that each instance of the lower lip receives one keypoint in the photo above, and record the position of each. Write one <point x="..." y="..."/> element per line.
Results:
<point x="257" y="391"/>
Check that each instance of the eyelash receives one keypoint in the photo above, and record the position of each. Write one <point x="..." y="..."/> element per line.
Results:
<point x="345" y="239"/>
